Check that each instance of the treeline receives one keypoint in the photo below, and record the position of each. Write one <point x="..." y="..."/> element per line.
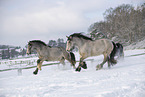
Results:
<point x="9" y="52"/>
<point x="124" y="24"/>
<point x="8" y="46"/>
<point x="59" y="43"/>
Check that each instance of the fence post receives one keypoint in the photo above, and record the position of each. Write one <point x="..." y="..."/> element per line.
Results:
<point x="19" y="71"/>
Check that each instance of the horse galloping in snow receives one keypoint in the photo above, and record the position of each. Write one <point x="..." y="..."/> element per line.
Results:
<point x="88" y="47"/>
<point x="48" y="53"/>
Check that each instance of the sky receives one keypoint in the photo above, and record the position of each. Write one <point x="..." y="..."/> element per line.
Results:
<point x="25" y="20"/>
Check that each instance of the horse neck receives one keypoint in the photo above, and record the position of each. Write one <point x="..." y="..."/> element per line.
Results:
<point x="38" y="48"/>
<point x="79" y="42"/>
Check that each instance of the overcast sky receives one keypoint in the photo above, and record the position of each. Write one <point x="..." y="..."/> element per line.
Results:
<point x="24" y="20"/>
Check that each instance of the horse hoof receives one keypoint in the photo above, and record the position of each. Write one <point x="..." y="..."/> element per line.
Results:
<point x="98" y="67"/>
<point x="85" y="68"/>
<point x="78" y="69"/>
<point x="84" y="65"/>
<point x="35" y="73"/>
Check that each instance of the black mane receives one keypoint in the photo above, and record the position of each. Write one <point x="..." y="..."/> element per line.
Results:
<point x="38" y="41"/>
<point x="79" y="35"/>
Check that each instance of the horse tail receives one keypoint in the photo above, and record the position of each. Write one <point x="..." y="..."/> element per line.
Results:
<point x="120" y="50"/>
<point x="112" y="55"/>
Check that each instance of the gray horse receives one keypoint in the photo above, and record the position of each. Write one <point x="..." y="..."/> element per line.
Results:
<point x="48" y="53"/>
<point x="88" y="47"/>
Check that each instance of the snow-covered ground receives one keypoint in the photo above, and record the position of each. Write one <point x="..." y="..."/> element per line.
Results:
<point x="126" y="79"/>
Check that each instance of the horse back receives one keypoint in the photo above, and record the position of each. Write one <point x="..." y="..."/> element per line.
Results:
<point x="100" y="46"/>
<point x="53" y="54"/>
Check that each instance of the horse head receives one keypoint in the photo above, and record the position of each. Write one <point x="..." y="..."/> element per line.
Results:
<point x="35" y="45"/>
<point x="70" y="45"/>
<point x="29" y="48"/>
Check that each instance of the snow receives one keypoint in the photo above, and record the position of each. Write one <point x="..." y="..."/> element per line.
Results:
<point x="126" y="79"/>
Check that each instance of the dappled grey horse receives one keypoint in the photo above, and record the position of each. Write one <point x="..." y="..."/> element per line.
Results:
<point x="48" y="53"/>
<point x="88" y="47"/>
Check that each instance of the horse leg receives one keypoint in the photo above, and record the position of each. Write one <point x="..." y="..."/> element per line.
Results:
<point x="80" y="65"/>
<point x="104" y="61"/>
<point x="108" y="62"/>
<point x="74" y="66"/>
<point x="72" y="63"/>
<point x="62" y="61"/>
<point x="39" y="64"/>
<point x="71" y="58"/>
<point x="36" y="71"/>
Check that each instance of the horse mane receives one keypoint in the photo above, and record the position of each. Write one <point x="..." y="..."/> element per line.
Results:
<point x="79" y="35"/>
<point x="38" y="41"/>
<point x="49" y="46"/>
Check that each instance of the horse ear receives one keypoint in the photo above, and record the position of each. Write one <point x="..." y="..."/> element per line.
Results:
<point x="29" y="43"/>
<point x="70" y="37"/>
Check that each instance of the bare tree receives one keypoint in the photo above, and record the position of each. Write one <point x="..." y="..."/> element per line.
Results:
<point x="124" y="22"/>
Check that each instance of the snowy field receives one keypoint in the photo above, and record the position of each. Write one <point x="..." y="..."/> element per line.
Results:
<point x="126" y="79"/>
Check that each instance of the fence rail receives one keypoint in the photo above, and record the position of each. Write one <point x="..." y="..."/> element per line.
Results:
<point x="28" y="62"/>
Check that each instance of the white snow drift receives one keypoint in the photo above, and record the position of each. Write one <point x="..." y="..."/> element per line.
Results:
<point x="126" y="79"/>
